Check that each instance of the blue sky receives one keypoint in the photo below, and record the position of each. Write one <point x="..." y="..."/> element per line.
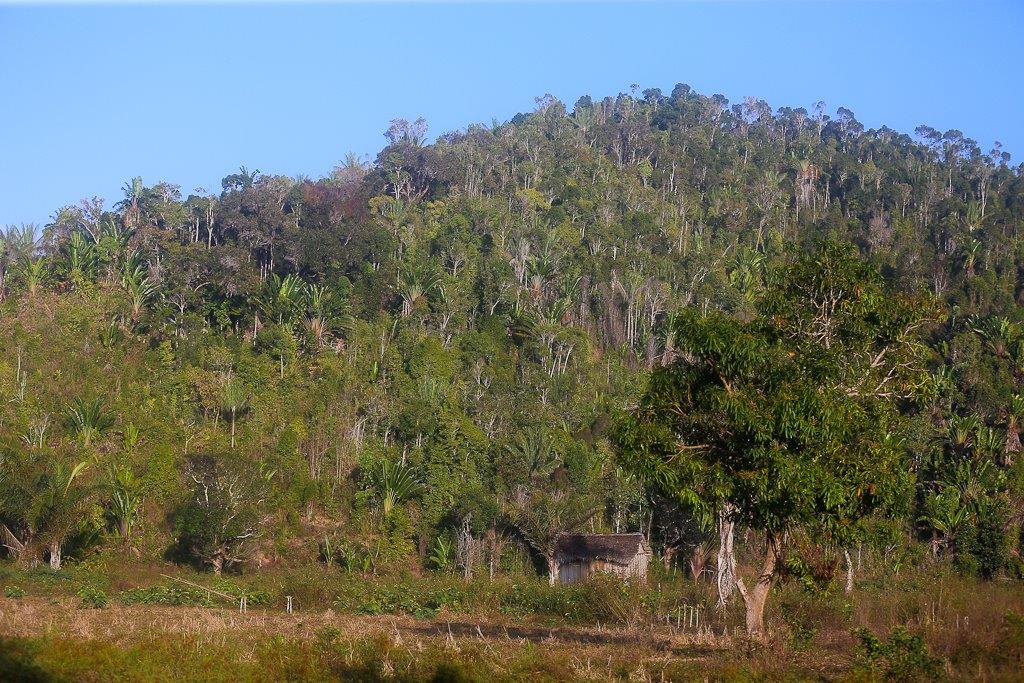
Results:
<point x="93" y="95"/>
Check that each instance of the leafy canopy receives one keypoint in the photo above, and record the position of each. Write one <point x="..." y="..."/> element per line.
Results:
<point x="792" y="417"/>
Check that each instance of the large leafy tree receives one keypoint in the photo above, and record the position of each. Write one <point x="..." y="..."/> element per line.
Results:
<point x="789" y="420"/>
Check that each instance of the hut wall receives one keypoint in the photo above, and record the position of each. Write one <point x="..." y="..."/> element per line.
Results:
<point x="572" y="572"/>
<point x="638" y="567"/>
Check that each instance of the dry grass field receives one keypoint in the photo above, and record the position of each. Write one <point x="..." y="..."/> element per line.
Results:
<point x="51" y="629"/>
<point x="391" y="646"/>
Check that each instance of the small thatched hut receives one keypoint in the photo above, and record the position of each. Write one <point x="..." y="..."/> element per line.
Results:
<point x="577" y="556"/>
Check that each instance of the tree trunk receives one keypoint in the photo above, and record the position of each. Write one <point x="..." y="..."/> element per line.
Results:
<point x="849" y="571"/>
<point x="552" y="571"/>
<point x="754" y="599"/>
<point x="218" y="564"/>
<point x="464" y="548"/>
<point x="55" y="555"/>
<point x="725" y="576"/>
<point x="698" y="561"/>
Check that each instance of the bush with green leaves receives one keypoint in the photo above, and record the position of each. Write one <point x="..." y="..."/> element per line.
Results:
<point x="983" y="545"/>
<point x="194" y="596"/>
<point x="124" y="503"/>
<point x="13" y="592"/>
<point x="92" y="598"/>
<point x="47" y="501"/>
<point x="167" y="595"/>
<point x="902" y="656"/>
<point x="442" y="554"/>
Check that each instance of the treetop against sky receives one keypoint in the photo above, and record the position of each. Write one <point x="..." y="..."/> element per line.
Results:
<point x="182" y="92"/>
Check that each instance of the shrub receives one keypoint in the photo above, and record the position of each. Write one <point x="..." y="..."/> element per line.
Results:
<point x="982" y="546"/>
<point x="187" y="596"/>
<point x="328" y="551"/>
<point x="808" y="613"/>
<point x="903" y="656"/>
<point x="404" y="599"/>
<point x="354" y="558"/>
<point x="92" y="598"/>
<point x="441" y="556"/>
<point x="254" y="597"/>
<point x="167" y="595"/>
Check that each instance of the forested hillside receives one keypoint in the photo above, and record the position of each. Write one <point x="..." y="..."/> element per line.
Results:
<point x="428" y="361"/>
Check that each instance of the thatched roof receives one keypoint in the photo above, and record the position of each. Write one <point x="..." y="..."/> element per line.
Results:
<point x="618" y="548"/>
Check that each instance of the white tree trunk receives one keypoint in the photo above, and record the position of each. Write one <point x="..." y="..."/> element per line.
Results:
<point x="849" y="571"/>
<point x="726" y="566"/>
<point x="55" y="557"/>
<point x="552" y="571"/>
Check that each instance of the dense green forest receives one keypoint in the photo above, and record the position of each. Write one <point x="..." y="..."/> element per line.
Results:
<point x="712" y="323"/>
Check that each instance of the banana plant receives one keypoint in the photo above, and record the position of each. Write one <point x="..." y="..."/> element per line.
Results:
<point x="22" y="241"/>
<point x="328" y="551"/>
<point x="112" y="248"/>
<point x="971" y="253"/>
<point x="945" y="512"/>
<point x="442" y="554"/>
<point x="975" y="481"/>
<point x="1011" y="444"/>
<point x="33" y="275"/>
<point x="133" y="194"/>
<point x="973" y="218"/>
<point x="533" y="451"/>
<point x="325" y="315"/>
<point x="748" y="272"/>
<point x="125" y="502"/>
<point x="961" y="433"/>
